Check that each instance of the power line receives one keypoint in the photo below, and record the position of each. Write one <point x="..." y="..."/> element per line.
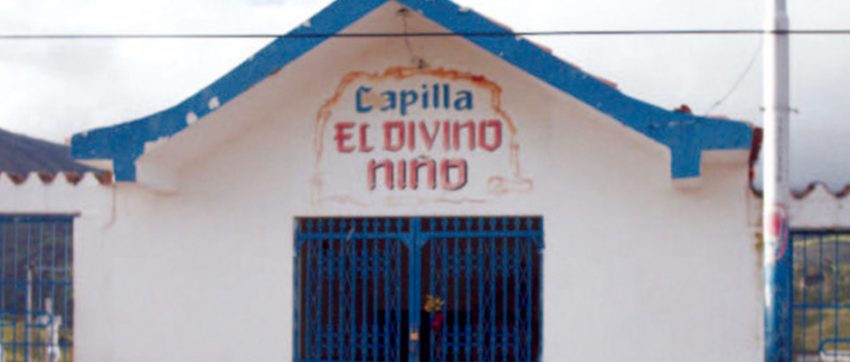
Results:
<point x="482" y="34"/>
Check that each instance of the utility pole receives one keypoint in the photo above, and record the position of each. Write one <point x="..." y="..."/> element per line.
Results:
<point x="778" y="251"/>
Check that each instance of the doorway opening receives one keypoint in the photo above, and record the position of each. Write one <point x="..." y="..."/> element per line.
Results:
<point x="418" y="289"/>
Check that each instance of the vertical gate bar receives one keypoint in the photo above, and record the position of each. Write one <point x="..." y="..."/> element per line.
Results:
<point x="374" y="329"/>
<point x="372" y="322"/>
<point x="320" y="300"/>
<point x="3" y="245"/>
<point x="43" y="276"/>
<point x="453" y="270"/>
<point x="504" y="276"/>
<point x="296" y="300"/>
<point x="415" y="285"/>
<point x="467" y="325"/>
<point x="429" y="249"/>
<point x="4" y="242"/>
<point x="385" y="330"/>
<point x="308" y="307"/>
<point x="39" y="285"/>
<point x="69" y="264"/>
<point x="835" y="291"/>
<point x="489" y="302"/>
<point x="539" y="290"/>
<point x="397" y="299"/>
<point x="431" y="274"/>
<point x="433" y="282"/>
<point x="318" y="306"/>
<point x="362" y="277"/>
<point x="333" y="273"/>
<point x="16" y="279"/>
<point x="821" y="297"/>
<point x="338" y="299"/>
<point x="354" y="274"/>
<point x="389" y="336"/>
<point x="348" y="227"/>
<point x="386" y="262"/>
<point x="528" y="287"/>
<point x="350" y="297"/>
<point x="366" y="276"/>
<point x="529" y="314"/>
<point x="516" y="272"/>
<point x="494" y="329"/>
<point x="311" y="341"/>
<point x="445" y="270"/>
<point x="445" y="275"/>
<point x="482" y="291"/>
<point x="463" y="303"/>
<point x="29" y="306"/>
<point x="42" y="286"/>
<point x="805" y="288"/>
<point x="53" y="264"/>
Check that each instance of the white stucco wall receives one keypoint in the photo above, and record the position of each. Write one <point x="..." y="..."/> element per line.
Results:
<point x="92" y="205"/>
<point x="636" y="268"/>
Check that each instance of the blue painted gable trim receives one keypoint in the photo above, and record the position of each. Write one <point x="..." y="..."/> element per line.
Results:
<point x="125" y="143"/>
<point x="686" y="136"/>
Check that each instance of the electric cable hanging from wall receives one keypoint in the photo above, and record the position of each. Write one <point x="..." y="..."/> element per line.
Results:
<point x="740" y="79"/>
<point x="418" y="61"/>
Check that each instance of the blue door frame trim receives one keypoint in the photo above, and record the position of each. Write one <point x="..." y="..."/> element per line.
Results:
<point x="686" y="136"/>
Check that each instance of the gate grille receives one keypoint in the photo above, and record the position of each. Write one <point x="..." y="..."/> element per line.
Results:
<point x="821" y="295"/>
<point x="487" y="272"/>
<point x="411" y="289"/>
<point x="353" y="294"/>
<point x="36" y="302"/>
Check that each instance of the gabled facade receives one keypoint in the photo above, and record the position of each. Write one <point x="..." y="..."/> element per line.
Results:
<point x="465" y="197"/>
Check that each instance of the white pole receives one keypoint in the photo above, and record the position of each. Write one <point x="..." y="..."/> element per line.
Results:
<point x="778" y="264"/>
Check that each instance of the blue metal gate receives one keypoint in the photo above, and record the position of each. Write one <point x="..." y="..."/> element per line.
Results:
<point x="418" y="289"/>
<point x="821" y="295"/>
<point x="36" y="302"/>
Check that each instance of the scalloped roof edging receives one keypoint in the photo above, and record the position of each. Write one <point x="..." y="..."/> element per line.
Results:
<point x="686" y="135"/>
<point x="809" y="190"/>
<point x="103" y="178"/>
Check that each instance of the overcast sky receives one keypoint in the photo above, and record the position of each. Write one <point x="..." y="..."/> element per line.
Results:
<point x="54" y="88"/>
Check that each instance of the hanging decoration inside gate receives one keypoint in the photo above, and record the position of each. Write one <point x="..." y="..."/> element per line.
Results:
<point x="410" y="135"/>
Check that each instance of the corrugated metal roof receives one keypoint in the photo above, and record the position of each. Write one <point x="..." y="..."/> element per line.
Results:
<point x="20" y="154"/>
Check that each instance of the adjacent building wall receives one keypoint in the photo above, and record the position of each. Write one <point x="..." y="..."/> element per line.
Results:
<point x="90" y="200"/>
